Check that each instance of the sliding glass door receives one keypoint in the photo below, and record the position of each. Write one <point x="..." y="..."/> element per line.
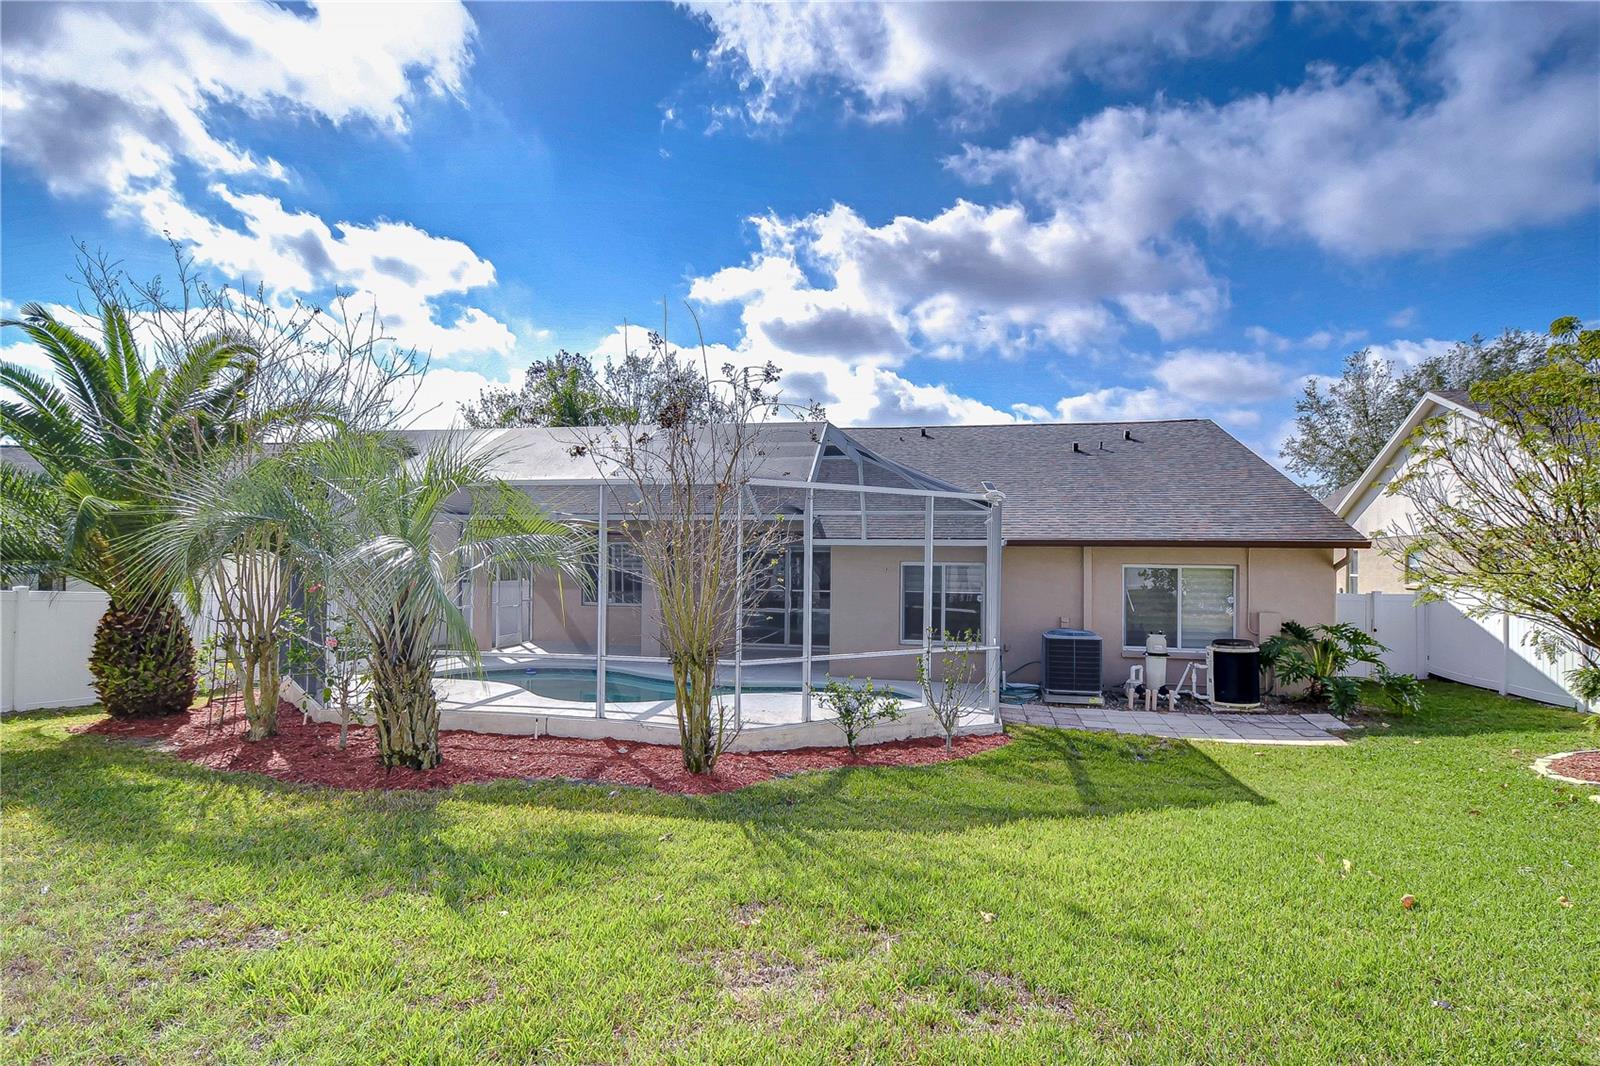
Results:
<point x="775" y="616"/>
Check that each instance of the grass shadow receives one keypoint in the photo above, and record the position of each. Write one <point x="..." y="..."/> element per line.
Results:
<point x="115" y="795"/>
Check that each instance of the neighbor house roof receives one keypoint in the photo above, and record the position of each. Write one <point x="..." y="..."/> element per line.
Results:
<point x="1354" y="497"/>
<point x="1174" y="482"/>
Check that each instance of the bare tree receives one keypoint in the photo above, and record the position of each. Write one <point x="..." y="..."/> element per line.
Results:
<point x="681" y="486"/>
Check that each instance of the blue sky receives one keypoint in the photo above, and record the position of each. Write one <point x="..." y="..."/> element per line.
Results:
<point x="923" y="214"/>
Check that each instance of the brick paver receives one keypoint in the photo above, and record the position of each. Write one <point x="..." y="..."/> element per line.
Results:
<point x="1233" y="728"/>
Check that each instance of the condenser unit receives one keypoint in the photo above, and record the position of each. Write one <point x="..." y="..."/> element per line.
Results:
<point x="1070" y="664"/>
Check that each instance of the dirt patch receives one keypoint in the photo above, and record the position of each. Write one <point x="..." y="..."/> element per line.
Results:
<point x="1580" y="765"/>
<point x="308" y="753"/>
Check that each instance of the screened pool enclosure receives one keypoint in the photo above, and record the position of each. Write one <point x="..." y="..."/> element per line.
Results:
<point x="848" y="518"/>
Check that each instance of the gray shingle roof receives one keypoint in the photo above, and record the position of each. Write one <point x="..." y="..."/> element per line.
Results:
<point x="1177" y="482"/>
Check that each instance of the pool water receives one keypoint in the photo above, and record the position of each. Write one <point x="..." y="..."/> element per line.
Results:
<point x="578" y="685"/>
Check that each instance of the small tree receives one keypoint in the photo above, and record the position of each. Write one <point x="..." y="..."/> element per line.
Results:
<point x="858" y="707"/>
<point x="677" y="483"/>
<point x="347" y="652"/>
<point x="953" y="687"/>
<point x="1506" y="506"/>
<point x="1321" y="657"/>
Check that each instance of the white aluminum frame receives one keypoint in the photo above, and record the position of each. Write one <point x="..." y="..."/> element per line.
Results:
<point x="994" y="543"/>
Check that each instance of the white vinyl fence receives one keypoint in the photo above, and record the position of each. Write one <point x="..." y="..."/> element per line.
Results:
<point x="45" y="641"/>
<point x="1441" y="640"/>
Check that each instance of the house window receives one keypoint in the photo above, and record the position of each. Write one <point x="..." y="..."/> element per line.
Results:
<point x="775" y="611"/>
<point x="625" y="576"/>
<point x="1352" y="577"/>
<point x="1413" y="569"/>
<point x="957" y="601"/>
<point x="1192" y="605"/>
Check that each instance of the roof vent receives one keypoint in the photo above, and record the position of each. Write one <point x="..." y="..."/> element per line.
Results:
<point x="1076" y="448"/>
<point x="1127" y="434"/>
<point x="924" y="432"/>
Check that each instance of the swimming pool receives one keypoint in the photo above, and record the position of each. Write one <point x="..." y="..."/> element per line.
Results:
<point x="577" y="685"/>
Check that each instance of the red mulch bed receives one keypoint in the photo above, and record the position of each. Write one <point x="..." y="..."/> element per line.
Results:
<point x="309" y="754"/>
<point x="1584" y="765"/>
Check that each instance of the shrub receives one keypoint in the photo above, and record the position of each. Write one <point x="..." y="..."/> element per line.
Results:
<point x="857" y="708"/>
<point x="1322" y="656"/>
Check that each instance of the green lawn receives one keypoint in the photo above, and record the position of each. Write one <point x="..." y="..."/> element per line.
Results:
<point x="1068" y="897"/>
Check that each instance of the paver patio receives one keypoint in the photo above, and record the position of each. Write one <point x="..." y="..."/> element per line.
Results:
<point x="1234" y="728"/>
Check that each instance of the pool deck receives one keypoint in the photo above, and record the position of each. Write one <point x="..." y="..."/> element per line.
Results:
<point x="769" y="720"/>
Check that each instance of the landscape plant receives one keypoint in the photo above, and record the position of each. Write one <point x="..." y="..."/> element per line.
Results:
<point x="857" y="707"/>
<point x="680" y="488"/>
<point x="1322" y="656"/>
<point x="1505" y="504"/>
<point x="951" y="686"/>
<point x="101" y="429"/>
<point x="347" y="651"/>
<point x="377" y="524"/>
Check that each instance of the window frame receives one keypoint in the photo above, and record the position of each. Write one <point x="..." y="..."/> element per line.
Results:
<point x="1408" y="572"/>
<point x="1352" y="576"/>
<point x="1175" y="646"/>
<point x="900" y="597"/>
<point x="587" y="598"/>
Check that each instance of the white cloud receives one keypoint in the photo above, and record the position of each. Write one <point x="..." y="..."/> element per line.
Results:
<point x="1406" y="354"/>
<point x="1403" y="318"/>
<point x="111" y="97"/>
<point x="970" y="280"/>
<point x="885" y="56"/>
<point x="435" y="402"/>
<point x="854" y="391"/>
<point x="1318" y="341"/>
<point x="124" y="100"/>
<point x="1499" y="129"/>
<point x="1219" y="377"/>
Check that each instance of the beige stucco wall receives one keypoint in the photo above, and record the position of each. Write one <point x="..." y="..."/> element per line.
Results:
<point x="562" y="622"/>
<point x="1042" y="587"/>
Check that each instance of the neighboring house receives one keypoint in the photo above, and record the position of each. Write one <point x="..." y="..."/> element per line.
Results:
<point x="1122" y="528"/>
<point x="1369" y="507"/>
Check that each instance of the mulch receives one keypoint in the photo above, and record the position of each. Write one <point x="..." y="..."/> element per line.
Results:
<point x="308" y="753"/>
<point x="1583" y="765"/>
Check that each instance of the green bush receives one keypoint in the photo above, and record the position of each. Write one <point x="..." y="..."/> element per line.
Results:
<point x="857" y="708"/>
<point x="1321" y="656"/>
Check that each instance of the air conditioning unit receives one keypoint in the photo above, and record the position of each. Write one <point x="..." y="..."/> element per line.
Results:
<point x="1070" y="663"/>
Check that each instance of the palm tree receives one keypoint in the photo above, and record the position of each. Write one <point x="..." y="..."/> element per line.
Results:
<point x="102" y="433"/>
<point x="385" y="543"/>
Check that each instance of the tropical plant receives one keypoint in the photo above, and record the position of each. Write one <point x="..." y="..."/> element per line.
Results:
<point x="858" y="707"/>
<point x="951" y="687"/>
<point x="559" y="391"/>
<point x="1321" y="657"/>
<point x="101" y="432"/>
<point x="377" y="524"/>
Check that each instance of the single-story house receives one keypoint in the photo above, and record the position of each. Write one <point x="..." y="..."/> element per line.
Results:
<point x="1122" y="528"/>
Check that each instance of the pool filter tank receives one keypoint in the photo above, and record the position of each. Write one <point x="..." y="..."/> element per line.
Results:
<point x="1155" y="661"/>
